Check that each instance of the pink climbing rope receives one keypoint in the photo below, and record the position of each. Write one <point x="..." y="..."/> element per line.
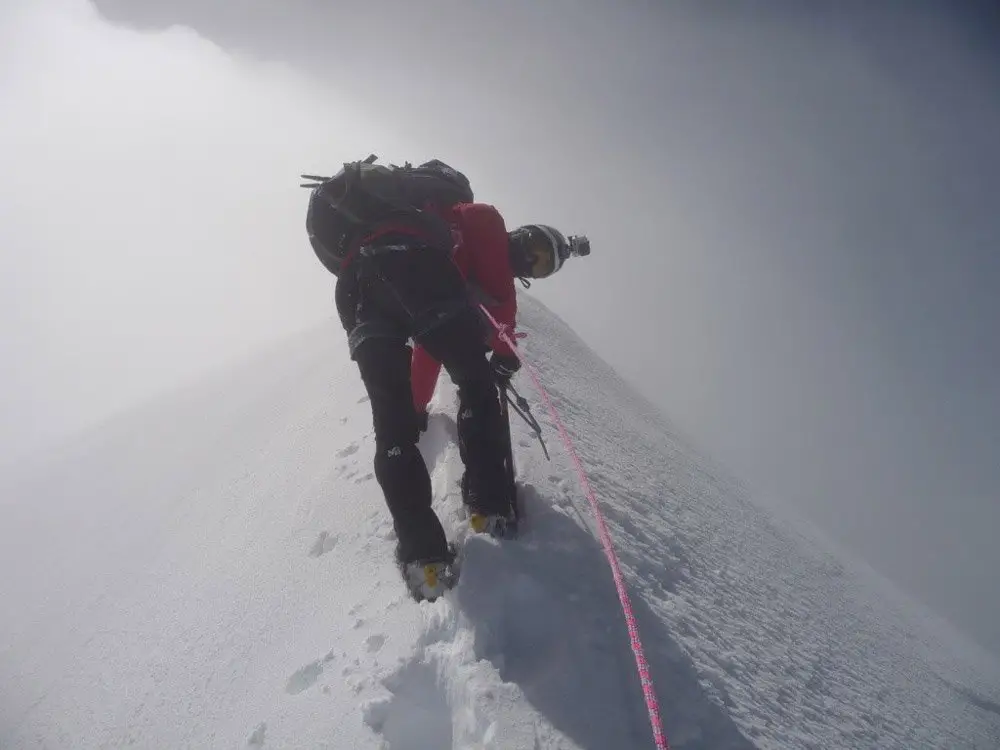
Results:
<point x="652" y="705"/>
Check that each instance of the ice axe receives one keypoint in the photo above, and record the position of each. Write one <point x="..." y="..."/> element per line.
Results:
<point x="520" y="405"/>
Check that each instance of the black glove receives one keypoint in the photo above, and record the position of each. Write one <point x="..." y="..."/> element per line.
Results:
<point x="504" y="366"/>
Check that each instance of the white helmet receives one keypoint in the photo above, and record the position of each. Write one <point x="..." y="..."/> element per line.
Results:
<point x="537" y="250"/>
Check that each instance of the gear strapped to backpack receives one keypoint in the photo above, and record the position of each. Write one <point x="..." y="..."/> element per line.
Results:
<point x="365" y="200"/>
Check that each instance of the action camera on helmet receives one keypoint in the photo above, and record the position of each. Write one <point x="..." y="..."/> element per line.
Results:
<point x="579" y="245"/>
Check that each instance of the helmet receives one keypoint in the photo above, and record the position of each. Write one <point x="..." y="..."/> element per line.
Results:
<point x="537" y="251"/>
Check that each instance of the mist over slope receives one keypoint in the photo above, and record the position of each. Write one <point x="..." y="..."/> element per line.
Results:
<point x="214" y="570"/>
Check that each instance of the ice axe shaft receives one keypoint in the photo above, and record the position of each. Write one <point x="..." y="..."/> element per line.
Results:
<point x="520" y="405"/>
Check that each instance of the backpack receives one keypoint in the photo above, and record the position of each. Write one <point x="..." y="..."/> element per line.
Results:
<point x="364" y="198"/>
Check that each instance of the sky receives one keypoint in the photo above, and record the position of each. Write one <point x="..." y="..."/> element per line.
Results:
<point x="792" y="208"/>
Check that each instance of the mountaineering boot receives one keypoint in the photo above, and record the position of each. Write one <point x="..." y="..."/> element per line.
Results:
<point x="486" y="521"/>
<point x="428" y="578"/>
<point x="496" y="525"/>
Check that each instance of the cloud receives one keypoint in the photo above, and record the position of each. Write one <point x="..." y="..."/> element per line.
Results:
<point x="150" y="215"/>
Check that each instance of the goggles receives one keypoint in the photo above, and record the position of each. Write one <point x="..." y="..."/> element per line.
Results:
<point x="540" y="250"/>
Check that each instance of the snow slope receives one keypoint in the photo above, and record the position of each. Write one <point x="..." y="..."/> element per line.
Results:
<point x="214" y="571"/>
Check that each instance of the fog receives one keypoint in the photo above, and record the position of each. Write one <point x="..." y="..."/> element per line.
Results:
<point x="793" y="210"/>
<point x="151" y="222"/>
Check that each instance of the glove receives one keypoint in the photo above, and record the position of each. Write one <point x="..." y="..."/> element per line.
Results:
<point x="504" y="366"/>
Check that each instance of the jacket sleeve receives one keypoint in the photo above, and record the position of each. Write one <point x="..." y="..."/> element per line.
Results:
<point x="485" y="236"/>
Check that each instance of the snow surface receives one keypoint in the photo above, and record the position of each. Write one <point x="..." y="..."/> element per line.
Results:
<point x="215" y="571"/>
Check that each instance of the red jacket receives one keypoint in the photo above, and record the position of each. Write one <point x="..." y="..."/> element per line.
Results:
<point x="481" y="255"/>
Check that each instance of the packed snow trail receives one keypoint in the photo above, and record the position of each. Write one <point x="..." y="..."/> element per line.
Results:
<point x="215" y="570"/>
<point x="536" y="623"/>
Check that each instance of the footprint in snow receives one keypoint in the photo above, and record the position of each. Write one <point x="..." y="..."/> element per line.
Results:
<point x="257" y="738"/>
<point x="304" y="679"/>
<point x="323" y="544"/>
<point x="374" y="643"/>
<point x="348" y="451"/>
<point x="416" y="714"/>
<point x="363" y="400"/>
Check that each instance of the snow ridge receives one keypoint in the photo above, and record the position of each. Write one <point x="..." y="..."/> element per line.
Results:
<point x="215" y="570"/>
<point x="510" y="657"/>
<point x="635" y="640"/>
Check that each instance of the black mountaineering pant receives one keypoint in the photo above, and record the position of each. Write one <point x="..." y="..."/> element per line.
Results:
<point x="394" y="294"/>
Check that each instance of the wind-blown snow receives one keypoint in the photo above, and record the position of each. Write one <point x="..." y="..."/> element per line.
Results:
<point x="215" y="571"/>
